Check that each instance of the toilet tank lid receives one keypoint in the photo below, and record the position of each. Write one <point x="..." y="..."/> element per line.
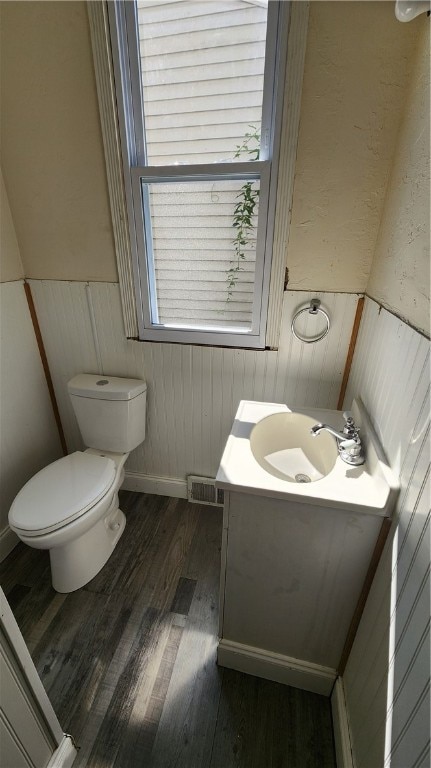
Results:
<point x="105" y="387"/>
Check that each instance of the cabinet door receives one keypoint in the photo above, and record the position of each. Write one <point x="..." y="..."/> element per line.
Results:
<point x="293" y="575"/>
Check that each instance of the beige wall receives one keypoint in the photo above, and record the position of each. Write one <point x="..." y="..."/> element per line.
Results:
<point x="11" y="267"/>
<point x="355" y="76"/>
<point x="357" y="65"/>
<point x="52" y="152"/>
<point x="400" y="277"/>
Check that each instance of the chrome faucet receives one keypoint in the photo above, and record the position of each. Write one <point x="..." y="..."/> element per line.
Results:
<point x="348" y="441"/>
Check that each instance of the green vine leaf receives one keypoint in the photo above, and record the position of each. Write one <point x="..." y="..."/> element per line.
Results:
<point x="244" y="211"/>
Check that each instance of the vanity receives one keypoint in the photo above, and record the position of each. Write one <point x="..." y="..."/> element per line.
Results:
<point x="299" y="530"/>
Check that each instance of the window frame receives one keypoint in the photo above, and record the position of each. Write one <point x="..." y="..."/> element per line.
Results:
<point x="295" y="45"/>
<point x="125" y="46"/>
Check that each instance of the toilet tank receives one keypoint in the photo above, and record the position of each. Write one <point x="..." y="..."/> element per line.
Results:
<point x="110" y="411"/>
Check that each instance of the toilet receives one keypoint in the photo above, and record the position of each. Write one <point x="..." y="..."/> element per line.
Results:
<point x="71" y="506"/>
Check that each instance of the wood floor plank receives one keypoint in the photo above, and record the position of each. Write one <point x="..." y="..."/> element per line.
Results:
<point x="165" y="523"/>
<point x="63" y="656"/>
<point x="100" y="651"/>
<point x="118" y="723"/>
<point x="35" y="603"/>
<point x="183" y="596"/>
<point x="238" y="702"/>
<point x="129" y="661"/>
<point x="17" y="595"/>
<point x="186" y="730"/>
<point x="91" y="738"/>
<point x="165" y="574"/>
<point x="145" y="516"/>
<point x="31" y="564"/>
<point x="38" y="628"/>
<point x="137" y="747"/>
<point x="147" y="562"/>
<point x="261" y="723"/>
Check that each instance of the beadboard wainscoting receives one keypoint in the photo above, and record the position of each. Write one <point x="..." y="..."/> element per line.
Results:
<point x="193" y="392"/>
<point x="28" y="433"/>
<point x="386" y="680"/>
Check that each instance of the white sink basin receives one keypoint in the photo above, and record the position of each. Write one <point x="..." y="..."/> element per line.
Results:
<point x="270" y="447"/>
<point x="283" y="446"/>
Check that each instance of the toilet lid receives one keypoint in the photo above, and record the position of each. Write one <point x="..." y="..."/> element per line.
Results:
<point x="62" y="492"/>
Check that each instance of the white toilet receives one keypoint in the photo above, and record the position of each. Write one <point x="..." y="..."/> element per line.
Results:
<point x="71" y="506"/>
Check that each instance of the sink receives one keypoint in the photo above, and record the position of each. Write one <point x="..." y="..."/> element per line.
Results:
<point x="270" y="447"/>
<point x="283" y="446"/>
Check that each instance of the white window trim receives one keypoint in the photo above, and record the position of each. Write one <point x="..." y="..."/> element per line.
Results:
<point x="261" y="286"/>
<point x="286" y="153"/>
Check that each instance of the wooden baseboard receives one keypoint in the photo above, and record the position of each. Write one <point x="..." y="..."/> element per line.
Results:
<point x="64" y="755"/>
<point x="275" y="666"/>
<point x="161" y="486"/>
<point x="343" y="745"/>
<point x="8" y="541"/>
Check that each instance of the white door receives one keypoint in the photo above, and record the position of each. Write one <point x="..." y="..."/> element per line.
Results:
<point x="30" y="734"/>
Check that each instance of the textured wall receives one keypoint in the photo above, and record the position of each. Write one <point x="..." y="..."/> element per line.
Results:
<point x="386" y="679"/>
<point x="387" y="674"/>
<point x="357" y="57"/>
<point x="52" y="152"/>
<point x="356" y="68"/>
<point x="400" y="277"/>
<point x="11" y="267"/>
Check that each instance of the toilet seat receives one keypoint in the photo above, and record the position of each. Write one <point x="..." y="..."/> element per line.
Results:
<point x="61" y="492"/>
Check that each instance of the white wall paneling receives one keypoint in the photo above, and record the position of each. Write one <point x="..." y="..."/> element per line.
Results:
<point x="387" y="676"/>
<point x="193" y="392"/>
<point x="342" y="741"/>
<point x="31" y="734"/>
<point x="28" y="433"/>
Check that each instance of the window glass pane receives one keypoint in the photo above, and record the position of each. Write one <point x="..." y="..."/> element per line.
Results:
<point x="202" y="66"/>
<point x="201" y="252"/>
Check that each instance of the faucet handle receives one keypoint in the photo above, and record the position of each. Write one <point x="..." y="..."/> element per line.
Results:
<point x="349" y="442"/>
<point x="350" y="429"/>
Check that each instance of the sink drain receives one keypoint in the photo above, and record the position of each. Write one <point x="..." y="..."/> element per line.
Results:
<point x="302" y="478"/>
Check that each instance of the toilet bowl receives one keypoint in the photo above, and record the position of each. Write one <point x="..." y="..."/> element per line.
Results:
<point x="77" y="519"/>
<point x="71" y="507"/>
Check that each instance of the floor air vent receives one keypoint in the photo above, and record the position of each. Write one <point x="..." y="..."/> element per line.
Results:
<point x="202" y="490"/>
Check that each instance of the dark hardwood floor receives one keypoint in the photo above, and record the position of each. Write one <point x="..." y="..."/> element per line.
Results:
<point x="129" y="662"/>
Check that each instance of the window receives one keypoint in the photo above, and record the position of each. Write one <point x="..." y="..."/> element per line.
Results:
<point x="198" y="91"/>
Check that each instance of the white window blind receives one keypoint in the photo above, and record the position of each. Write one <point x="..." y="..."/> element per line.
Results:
<point x="192" y="238"/>
<point x="202" y="66"/>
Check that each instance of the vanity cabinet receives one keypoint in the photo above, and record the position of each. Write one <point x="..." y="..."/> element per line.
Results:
<point x="295" y="554"/>
<point x="292" y="574"/>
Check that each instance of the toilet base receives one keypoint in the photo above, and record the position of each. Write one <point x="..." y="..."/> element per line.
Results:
<point x="76" y="563"/>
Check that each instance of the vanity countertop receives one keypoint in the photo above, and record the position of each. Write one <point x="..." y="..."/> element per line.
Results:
<point x="370" y="488"/>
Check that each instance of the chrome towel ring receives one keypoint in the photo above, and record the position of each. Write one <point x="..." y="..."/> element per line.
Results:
<point x="313" y="309"/>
